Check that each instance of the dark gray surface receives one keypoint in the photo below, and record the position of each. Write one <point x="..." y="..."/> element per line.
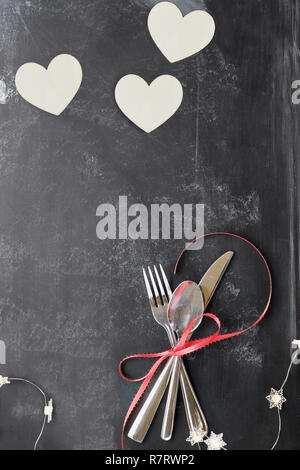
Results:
<point x="71" y="305"/>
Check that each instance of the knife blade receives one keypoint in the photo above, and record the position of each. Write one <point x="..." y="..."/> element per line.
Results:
<point x="213" y="276"/>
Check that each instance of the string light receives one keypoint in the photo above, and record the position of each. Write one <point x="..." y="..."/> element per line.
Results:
<point x="48" y="404"/>
<point x="276" y="398"/>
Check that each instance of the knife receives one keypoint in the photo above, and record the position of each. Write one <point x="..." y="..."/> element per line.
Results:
<point x="142" y="422"/>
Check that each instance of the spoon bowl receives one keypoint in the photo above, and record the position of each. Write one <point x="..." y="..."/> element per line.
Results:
<point x="186" y="304"/>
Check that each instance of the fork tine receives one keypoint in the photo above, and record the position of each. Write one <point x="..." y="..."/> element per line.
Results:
<point x="161" y="288"/>
<point x="149" y="291"/>
<point x="156" y="293"/>
<point x="166" y="282"/>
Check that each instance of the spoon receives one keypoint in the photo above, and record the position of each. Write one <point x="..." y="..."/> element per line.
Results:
<point x="186" y="304"/>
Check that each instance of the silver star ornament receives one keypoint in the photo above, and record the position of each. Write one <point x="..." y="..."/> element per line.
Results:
<point x="276" y="398"/>
<point x="215" y="442"/>
<point x="196" y="436"/>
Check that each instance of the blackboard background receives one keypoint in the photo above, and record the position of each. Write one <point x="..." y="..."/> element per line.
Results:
<point x="71" y="305"/>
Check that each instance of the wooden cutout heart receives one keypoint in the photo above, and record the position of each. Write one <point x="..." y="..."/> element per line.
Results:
<point x="178" y="36"/>
<point x="50" y="89"/>
<point x="148" y="106"/>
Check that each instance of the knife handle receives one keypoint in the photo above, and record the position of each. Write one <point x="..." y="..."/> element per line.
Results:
<point x="195" y="416"/>
<point x="146" y="414"/>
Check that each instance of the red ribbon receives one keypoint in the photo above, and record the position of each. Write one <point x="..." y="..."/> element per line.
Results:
<point x="184" y="346"/>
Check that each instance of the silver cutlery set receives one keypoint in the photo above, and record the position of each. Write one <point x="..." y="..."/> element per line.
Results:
<point x="174" y="312"/>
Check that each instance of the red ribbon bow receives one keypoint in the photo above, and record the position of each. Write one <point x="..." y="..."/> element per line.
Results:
<point x="184" y="346"/>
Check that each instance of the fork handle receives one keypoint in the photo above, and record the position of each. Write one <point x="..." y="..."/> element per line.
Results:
<point x="146" y="414"/>
<point x="194" y="413"/>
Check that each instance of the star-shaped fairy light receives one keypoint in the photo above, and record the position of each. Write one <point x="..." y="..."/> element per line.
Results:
<point x="276" y="398"/>
<point x="196" y="436"/>
<point x="215" y="442"/>
<point x="3" y="381"/>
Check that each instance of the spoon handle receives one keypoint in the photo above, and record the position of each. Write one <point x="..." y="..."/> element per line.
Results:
<point x="168" y="421"/>
<point x="195" y="417"/>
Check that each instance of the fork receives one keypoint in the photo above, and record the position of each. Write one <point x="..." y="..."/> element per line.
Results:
<point x="195" y="417"/>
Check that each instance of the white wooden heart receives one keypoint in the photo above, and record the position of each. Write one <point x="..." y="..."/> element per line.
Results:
<point x="178" y="36"/>
<point x="50" y="89"/>
<point x="149" y="106"/>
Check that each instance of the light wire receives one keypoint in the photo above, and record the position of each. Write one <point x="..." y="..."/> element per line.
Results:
<point x="18" y="379"/>
<point x="294" y="356"/>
